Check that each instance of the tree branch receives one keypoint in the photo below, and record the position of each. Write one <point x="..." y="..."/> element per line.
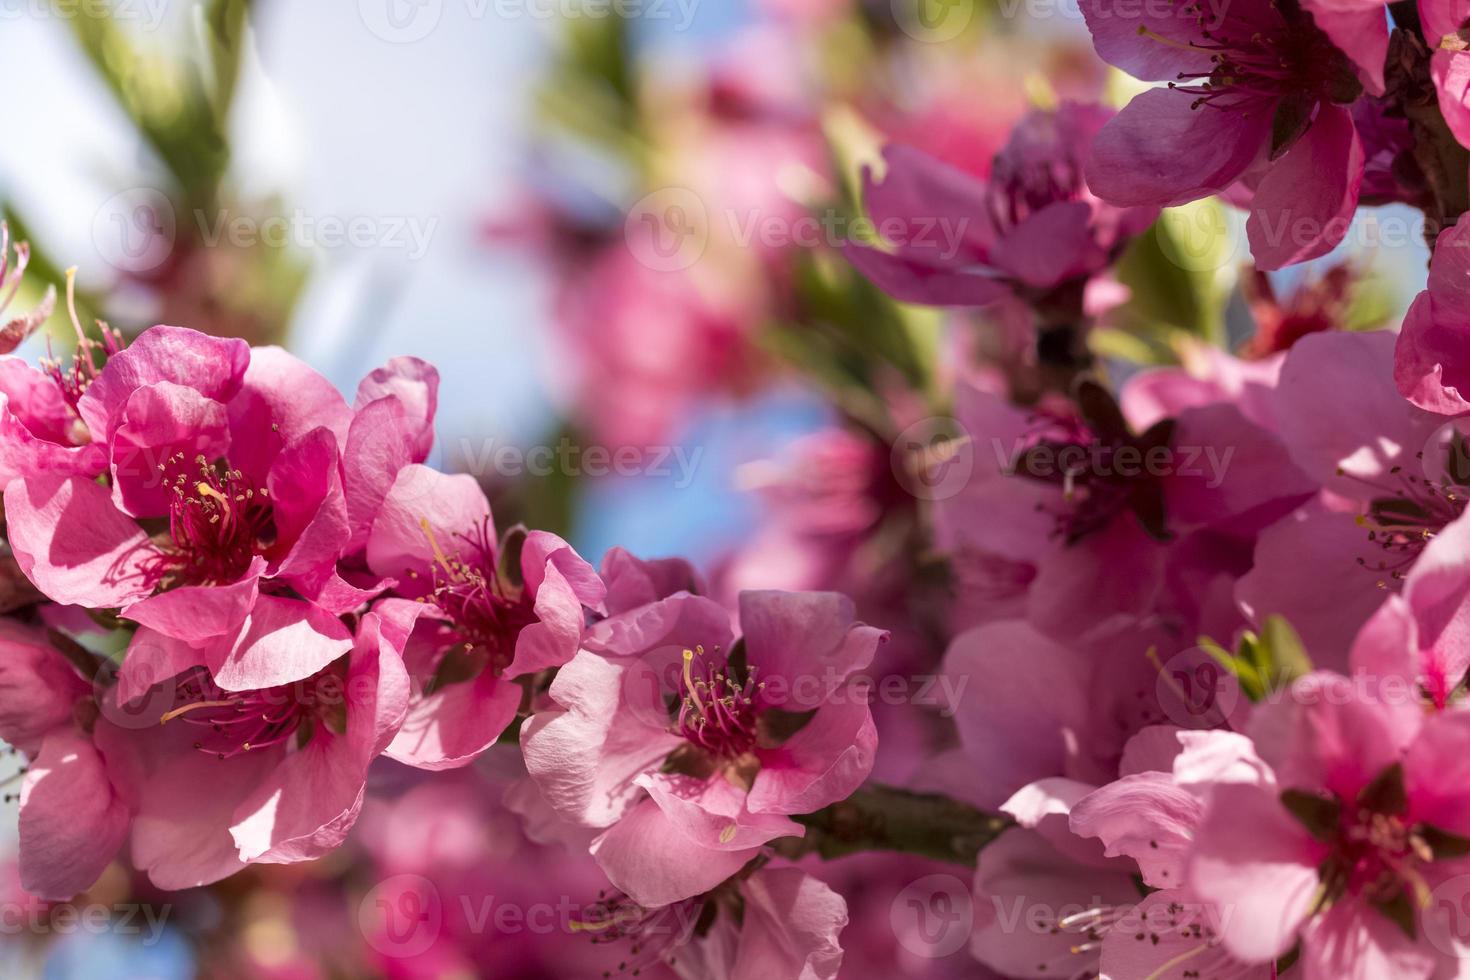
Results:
<point x="883" y="818"/>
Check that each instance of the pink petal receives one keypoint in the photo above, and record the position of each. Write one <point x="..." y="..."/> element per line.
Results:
<point x="38" y="687"/>
<point x="1159" y="151"/>
<point x="808" y="639"/>
<point x="790" y="927"/>
<point x="71" y="821"/>
<point x="655" y="864"/>
<point x="1254" y="858"/>
<point x="1304" y="204"/>
<point x="214" y="367"/>
<point x="1144" y="817"/>
<point x="74" y="544"/>
<point x="825" y="761"/>
<point x="282" y="641"/>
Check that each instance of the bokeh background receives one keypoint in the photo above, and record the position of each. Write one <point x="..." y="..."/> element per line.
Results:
<point x="589" y="216"/>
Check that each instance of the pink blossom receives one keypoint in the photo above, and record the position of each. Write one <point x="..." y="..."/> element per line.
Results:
<point x="1338" y="846"/>
<point x="1328" y="565"/>
<point x="1430" y="364"/>
<point x="472" y="612"/>
<point x="761" y="730"/>
<point x="217" y="778"/>
<point x="72" y="819"/>
<point x="1059" y="502"/>
<point x="1031" y="228"/>
<point x="1449" y="64"/>
<point x="239" y="452"/>
<point x="1257" y="93"/>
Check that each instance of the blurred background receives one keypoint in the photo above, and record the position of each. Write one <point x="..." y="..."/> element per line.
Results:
<point x="615" y="227"/>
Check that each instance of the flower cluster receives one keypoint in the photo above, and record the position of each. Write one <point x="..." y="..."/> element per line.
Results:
<point x="252" y="589"/>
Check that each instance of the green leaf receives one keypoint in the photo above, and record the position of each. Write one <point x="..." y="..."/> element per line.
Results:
<point x="1319" y="814"/>
<point x="1283" y="647"/>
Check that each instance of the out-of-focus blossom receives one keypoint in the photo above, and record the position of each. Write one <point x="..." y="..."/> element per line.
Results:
<point x="1030" y="228"/>
<point x="1431" y="366"/>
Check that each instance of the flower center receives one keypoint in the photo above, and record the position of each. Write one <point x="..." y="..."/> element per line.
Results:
<point x="236" y="722"/>
<point x="1255" y="63"/>
<point x="487" y="612"/>
<point x="715" y="708"/>
<point x="217" y="524"/>
<point x="1401" y="522"/>
<point x="651" y="935"/>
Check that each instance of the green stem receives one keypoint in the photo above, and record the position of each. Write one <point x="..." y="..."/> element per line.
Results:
<point x="884" y="818"/>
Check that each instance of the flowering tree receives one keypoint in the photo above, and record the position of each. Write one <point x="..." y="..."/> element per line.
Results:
<point x="1096" y="638"/>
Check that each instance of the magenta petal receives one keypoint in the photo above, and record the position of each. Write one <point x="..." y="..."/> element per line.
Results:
<point x="1144" y="817"/>
<point x="1180" y="933"/>
<point x="451" y="505"/>
<point x="182" y="801"/>
<point x="1172" y="46"/>
<point x="1032" y="707"/>
<point x="1451" y="73"/>
<point x="153" y="661"/>
<point x="632" y="582"/>
<point x="713" y="812"/>
<point x="1054" y="244"/>
<point x="1304" y="204"/>
<point x="655" y="864"/>
<point x="1252" y="857"/>
<point x="543" y="551"/>
<point x="214" y="367"/>
<point x="310" y="511"/>
<point x="825" y="761"/>
<point x="1321" y="736"/>
<point x="74" y="544"/>
<point x="1307" y="569"/>
<point x="307" y="804"/>
<point x="198" y="613"/>
<point x="807" y="639"/>
<point x="164" y="428"/>
<point x="38" y="687"/>
<point x="681" y="621"/>
<point x="1360" y="31"/>
<point x="71" y="820"/>
<point x="380" y="443"/>
<point x="415" y="384"/>
<point x="280" y="401"/>
<point x="552" y="640"/>
<point x="282" y="641"/>
<point x="455" y="724"/>
<point x="584" y="759"/>
<point x="910" y="280"/>
<point x="790" y="927"/>
<point x="1159" y="151"/>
